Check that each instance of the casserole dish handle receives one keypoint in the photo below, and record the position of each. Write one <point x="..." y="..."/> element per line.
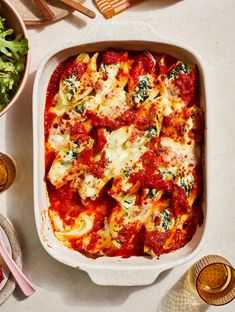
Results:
<point x="121" y="31"/>
<point x="122" y="277"/>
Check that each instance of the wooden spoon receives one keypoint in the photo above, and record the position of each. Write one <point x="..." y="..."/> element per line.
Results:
<point x="44" y="9"/>
<point x="80" y="8"/>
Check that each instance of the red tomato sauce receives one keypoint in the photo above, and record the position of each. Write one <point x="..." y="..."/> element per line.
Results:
<point x="125" y="119"/>
<point x="148" y="178"/>
<point x="187" y="85"/>
<point x="49" y="157"/>
<point x="48" y="120"/>
<point x="179" y="202"/>
<point x="155" y="240"/>
<point x="146" y="118"/>
<point x="198" y="128"/>
<point x="94" y="167"/>
<point x="143" y="65"/>
<point x="114" y="57"/>
<point x="181" y="238"/>
<point x="66" y="200"/>
<point x="54" y="81"/>
<point x="99" y="138"/>
<point x="52" y="90"/>
<point x="78" y="132"/>
<point x="77" y="68"/>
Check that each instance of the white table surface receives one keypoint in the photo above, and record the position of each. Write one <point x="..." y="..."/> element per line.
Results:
<point x="209" y="28"/>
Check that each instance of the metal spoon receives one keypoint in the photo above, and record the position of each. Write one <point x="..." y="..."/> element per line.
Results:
<point x="19" y="276"/>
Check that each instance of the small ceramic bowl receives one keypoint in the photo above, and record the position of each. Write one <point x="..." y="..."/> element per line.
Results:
<point x="12" y="245"/>
<point x="14" y="21"/>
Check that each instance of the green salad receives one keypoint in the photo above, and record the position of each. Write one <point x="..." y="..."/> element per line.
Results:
<point x="13" y="50"/>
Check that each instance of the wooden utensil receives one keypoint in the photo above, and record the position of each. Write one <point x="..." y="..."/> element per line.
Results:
<point x="80" y="8"/>
<point x="110" y="8"/>
<point x="31" y="15"/>
<point x="44" y="9"/>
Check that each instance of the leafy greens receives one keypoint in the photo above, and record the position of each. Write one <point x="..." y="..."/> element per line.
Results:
<point x="13" y="50"/>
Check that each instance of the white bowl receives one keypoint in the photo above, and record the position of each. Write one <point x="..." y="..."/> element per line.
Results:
<point x="104" y="270"/>
<point x="14" y="21"/>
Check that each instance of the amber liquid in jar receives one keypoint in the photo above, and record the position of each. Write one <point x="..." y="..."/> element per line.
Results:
<point x="7" y="172"/>
<point x="3" y="175"/>
<point x="215" y="281"/>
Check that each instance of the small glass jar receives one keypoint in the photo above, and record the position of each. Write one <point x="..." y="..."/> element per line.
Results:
<point x="7" y="172"/>
<point x="214" y="277"/>
<point x="210" y="281"/>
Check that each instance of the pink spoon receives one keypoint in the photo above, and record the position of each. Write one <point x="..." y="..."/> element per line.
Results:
<point x="19" y="276"/>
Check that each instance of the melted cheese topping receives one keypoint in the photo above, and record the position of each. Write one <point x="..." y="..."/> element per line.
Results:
<point x="119" y="185"/>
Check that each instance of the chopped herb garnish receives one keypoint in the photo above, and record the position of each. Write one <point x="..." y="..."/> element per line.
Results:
<point x="186" y="188"/>
<point x="80" y="108"/>
<point x="167" y="173"/>
<point x="166" y="220"/>
<point x="186" y="183"/>
<point x="151" y="132"/>
<point x="141" y="92"/>
<point x="103" y="68"/>
<point x="70" y="156"/>
<point x="125" y="217"/>
<point x="152" y="193"/>
<point x="109" y="160"/>
<point x="127" y="172"/>
<point x="70" y="85"/>
<point x="70" y="95"/>
<point x="129" y="201"/>
<point x="180" y="68"/>
<point x="76" y="143"/>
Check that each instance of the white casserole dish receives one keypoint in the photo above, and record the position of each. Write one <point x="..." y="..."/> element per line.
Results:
<point x="105" y="270"/>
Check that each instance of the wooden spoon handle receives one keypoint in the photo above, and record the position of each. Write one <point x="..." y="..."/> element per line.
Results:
<point x="44" y="9"/>
<point x="80" y="8"/>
